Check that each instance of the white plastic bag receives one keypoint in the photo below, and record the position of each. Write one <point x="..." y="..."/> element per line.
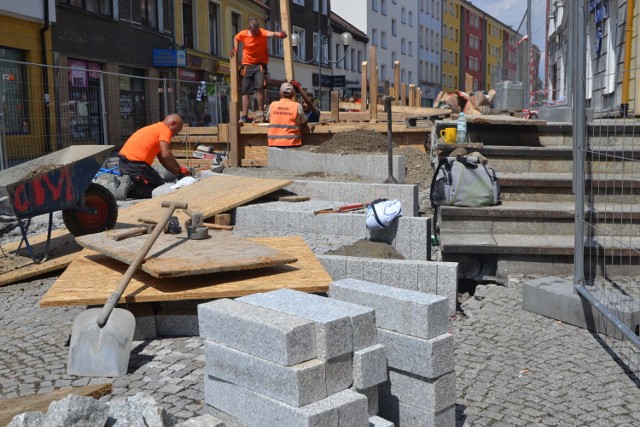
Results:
<point x="380" y="214"/>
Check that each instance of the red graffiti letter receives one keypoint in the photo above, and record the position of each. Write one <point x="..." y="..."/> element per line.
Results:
<point x="20" y="205"/>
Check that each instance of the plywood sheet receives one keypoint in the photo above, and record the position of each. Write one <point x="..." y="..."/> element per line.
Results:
<point x="92" y="277"/>
<point x="212" y="195"/>
<point x="20" y="267"/>
<point x="40" y="402"/>
<point x="175" y="255"/>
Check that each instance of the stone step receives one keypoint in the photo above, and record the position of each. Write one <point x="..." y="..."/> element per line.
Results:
<point x="540" y="187"/>
<point x="602" y="159"/>
<point x="533" y="218"/>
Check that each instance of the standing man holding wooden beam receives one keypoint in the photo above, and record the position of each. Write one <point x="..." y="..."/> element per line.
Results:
<point x="255" y="58"/>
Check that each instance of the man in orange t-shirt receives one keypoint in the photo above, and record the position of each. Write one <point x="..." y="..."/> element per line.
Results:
<point x="138" y="153"/>
<point x="255" y="58"/>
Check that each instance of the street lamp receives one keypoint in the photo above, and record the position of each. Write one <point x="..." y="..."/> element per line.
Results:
<point x="345" y="38"/>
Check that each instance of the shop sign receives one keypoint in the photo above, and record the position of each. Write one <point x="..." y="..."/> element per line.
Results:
<point x="169" y="58"/>
<point x="329" y="81"/>
<point x="189" y="75"/>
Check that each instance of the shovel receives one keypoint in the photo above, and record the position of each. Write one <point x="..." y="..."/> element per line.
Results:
<point x="101" y="337"/>
<point x="387" y="105"/>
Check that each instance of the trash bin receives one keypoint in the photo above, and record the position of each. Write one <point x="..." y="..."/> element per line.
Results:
<point x="509" y="95"/>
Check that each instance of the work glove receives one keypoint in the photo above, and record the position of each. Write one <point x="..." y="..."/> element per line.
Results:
<point x="283" y="34"/>
<point x="232" y="53"/>
<point x="183" y="172"/>
<point x="296" y="85"/>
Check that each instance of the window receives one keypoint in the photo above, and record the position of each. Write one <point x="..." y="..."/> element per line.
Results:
<point x="374" y="37"/>
<point x="353" y="60"/>
<point x="383" y="72"/>
<point x="299" y="51"/>
<point x="187" y="24"/>
<point x="383" y="39"/>
<point x="359" y="61"/>
<point x="214" y="29"/>
<point x="300" y="2"/>
<point x="410" y="48"/>
<point x="403" y="15"/>
<point x="374" y="5"/>
<point x="403" y="46"/>
<point x="15" y="97"/>
<point x="394" y="27"/>
<point x="322" y="54"/>
<point x="101" y="7"/>
<point x="275" y="47"/>
<point x="235" y="24"/>
<point x="410" y="18"/>
<point x="338" y="56"/>
<point x="383" y="7"/>
<point x="410" y="74"/>
<point x="316" y="4"/>
<point x="149" y="13"/>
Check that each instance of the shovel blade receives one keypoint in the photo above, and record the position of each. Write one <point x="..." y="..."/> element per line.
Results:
<point x="101" y="352"/>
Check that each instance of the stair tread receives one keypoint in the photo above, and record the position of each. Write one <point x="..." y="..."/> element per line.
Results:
<point x="527" y="244"/>
<point x="529" y="209"/>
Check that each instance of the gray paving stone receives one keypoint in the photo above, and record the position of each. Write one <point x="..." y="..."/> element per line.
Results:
<point x="430" y="394"/>
<point x="275" y="336"/>
<point x="369" y="367"/>
<point x="428" y="358"/>
<point x="334" y="331"/>
<point x="295" y="385"/>
<point x="345" y="408"/>
<point x="401" y="310"/>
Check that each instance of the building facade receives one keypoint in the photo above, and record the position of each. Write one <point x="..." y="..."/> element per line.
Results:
<point x="431" y="33"/>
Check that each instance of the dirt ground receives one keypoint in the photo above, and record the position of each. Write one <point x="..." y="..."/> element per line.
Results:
<point x="419" y="170"/>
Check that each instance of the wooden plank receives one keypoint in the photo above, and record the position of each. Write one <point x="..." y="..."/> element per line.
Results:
<point x="373" y="84"/>
<point x="236" y="149"/>
<point x="92" y="277"/>
<point x="335" y="106"/>
<point x="363" y="86"/>
<point x="175" y="255"/>
<point x="254" y="163"/>
<point x="40" y="402"/>
<point x="63" y="249"/>
<point x="212" y="195"/>
<point x="287" y="49"/>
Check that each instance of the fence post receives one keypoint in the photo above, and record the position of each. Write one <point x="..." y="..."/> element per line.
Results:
<point x="165" y="97"/>
<point x="103" y="107"/>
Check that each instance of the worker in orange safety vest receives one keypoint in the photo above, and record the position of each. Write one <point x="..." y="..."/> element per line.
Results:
<point x="286" y="118"/>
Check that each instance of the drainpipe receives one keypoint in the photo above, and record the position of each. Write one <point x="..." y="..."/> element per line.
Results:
<point x="45" y="77"/>
<point x="624" y="106"/>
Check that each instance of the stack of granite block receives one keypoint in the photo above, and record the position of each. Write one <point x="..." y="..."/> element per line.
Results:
<point x="266" y="366"/>
<point x="412" y="326"/>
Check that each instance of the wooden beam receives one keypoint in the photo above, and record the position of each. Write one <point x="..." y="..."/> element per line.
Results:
<point x="403" y="89"/>
<point x="40" y="402"/>
<point x="236" y="153"/>
<point x="286" y="43"/>
<point x="363" y="87"/>
<point x="335" y="106"/>
<point x="373" y="84"/>
<point x="396" y="82"/>
<point x="412" y="95"/>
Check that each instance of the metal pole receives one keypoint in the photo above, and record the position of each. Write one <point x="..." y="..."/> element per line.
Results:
<point x="165" y="97"/>
<point x="527" y="101"/>
<point x="103" y="107"/>
<point x="3" y="149"/>
<point x="319" y="52"/>
<point x="387" y="105"/>
<point x="578" y="45"/>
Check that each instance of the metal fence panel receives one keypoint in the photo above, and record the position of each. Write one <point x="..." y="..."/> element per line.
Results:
<point x="47" y="108"/>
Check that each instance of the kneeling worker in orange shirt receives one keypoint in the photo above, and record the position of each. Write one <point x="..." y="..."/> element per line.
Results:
<point x="286" y="118"/>
<point x="138" y="153"/>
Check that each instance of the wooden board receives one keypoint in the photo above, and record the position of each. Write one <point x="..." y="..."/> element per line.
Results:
<point x="40" y="402"/>
<point x="92" y="277"/>
<point x="213" y="195"/>
<point x="62" y="250"/>
<point x="175" y="255"/>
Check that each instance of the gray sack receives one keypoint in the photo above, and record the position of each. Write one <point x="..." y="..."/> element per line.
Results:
<point x="464" y="181"/>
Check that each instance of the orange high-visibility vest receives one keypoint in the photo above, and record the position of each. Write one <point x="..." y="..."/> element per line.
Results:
<point x="283" y="128"/>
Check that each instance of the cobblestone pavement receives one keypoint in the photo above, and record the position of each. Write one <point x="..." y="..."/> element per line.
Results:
<point x="513" y="367"/>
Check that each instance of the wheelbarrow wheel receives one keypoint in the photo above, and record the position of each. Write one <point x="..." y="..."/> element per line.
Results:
<point x="104" y="204"/>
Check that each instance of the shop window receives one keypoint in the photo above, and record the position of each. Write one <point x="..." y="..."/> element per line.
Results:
<point x="101" y="7"/>
<point x="84" y="99"/>
<point x="14" y="103"/>
<point x="132" y="101"/>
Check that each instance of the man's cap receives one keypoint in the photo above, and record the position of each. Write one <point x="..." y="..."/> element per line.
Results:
<point x="286" y="88"/>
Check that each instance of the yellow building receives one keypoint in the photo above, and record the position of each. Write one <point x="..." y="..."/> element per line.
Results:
<point x="494" y="48"/>
<point x="24" y="35"/>
<point x="450" y="45"/>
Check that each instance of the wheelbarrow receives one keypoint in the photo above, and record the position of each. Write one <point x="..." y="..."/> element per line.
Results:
<point x="60" y="181"/>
